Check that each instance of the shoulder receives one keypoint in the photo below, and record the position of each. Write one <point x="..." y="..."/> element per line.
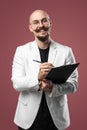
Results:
<point x="60" y="46"/>
<point x="22" y="50"/>
<point x="25" y="47"/>
<point x="64" y="51"/>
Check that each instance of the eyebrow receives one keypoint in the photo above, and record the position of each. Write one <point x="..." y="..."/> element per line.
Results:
<point x="41" y="19"/>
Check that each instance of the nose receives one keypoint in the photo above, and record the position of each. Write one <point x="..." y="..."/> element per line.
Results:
<point x="41" y="24"/>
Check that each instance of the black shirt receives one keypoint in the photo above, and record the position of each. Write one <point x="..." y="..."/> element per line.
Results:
<point x="43" y="119"/>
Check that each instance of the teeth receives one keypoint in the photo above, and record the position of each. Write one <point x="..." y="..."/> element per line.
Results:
<point x="42" y="30"/>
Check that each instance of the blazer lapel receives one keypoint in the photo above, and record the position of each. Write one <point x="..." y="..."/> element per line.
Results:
<point x="35" y="55"/>
<point x="52" y="53"/>
<point x="35" y="52"/>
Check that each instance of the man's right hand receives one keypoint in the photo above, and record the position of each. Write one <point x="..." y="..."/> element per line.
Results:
<point x="44" y="70"/>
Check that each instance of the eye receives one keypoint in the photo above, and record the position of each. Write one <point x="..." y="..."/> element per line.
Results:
<point x="45" y="20"/>
<point x="35" y="22"/>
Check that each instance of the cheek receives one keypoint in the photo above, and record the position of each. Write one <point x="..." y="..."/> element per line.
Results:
<point x="31" y="28"/>
<point x="48" y="26"/>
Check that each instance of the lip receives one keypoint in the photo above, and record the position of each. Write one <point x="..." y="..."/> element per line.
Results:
<point x="43" y="31"/>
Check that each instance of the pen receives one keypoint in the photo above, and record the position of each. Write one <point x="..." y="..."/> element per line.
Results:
<point x="37" y="61"/>
<point x="41" y="62"/>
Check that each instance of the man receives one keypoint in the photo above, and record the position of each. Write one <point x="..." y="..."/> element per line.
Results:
<point x="42" y="104"/>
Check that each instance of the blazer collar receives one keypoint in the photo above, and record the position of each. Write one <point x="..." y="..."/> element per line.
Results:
<point x="52" y="52"/>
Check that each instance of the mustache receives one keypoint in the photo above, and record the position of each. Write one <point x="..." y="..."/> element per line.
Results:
<point x="39" y="29"/>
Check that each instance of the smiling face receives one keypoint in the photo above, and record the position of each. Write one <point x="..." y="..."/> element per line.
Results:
<point x="40" y="25"/>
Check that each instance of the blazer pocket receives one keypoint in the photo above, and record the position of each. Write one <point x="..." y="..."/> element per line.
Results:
<point x="61" y="103"/>
<point x="23" y="98"/>
<point x="62" y="100"/>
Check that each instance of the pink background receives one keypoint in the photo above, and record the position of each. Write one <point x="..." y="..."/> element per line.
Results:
<point x="69" y="19"/>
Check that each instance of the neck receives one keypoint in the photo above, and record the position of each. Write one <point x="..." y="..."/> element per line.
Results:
<point x="43" y="45"/>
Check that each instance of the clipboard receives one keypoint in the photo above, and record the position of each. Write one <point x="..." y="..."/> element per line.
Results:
<point x="60" y="74"/>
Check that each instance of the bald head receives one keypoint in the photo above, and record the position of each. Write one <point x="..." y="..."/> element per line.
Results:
<point x="37" y="14"/>
<point x="40" y="25"/>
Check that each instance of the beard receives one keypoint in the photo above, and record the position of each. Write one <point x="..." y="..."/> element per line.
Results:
<point x="43" y="39"/>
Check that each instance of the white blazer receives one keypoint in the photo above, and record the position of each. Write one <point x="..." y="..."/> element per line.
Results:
<point x="24" y="78"/>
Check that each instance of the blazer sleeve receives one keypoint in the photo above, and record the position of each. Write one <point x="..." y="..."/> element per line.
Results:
<point x="21" y="81"/>
<point x="71" y="84"/>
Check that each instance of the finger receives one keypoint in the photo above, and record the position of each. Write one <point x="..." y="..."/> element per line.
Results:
<point x="46" y="64"/>
<point x="45" y="70"/>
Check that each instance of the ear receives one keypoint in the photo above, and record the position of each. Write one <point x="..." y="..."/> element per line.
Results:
<point x="30" y="28"/>
<point x="50" y="24"/>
